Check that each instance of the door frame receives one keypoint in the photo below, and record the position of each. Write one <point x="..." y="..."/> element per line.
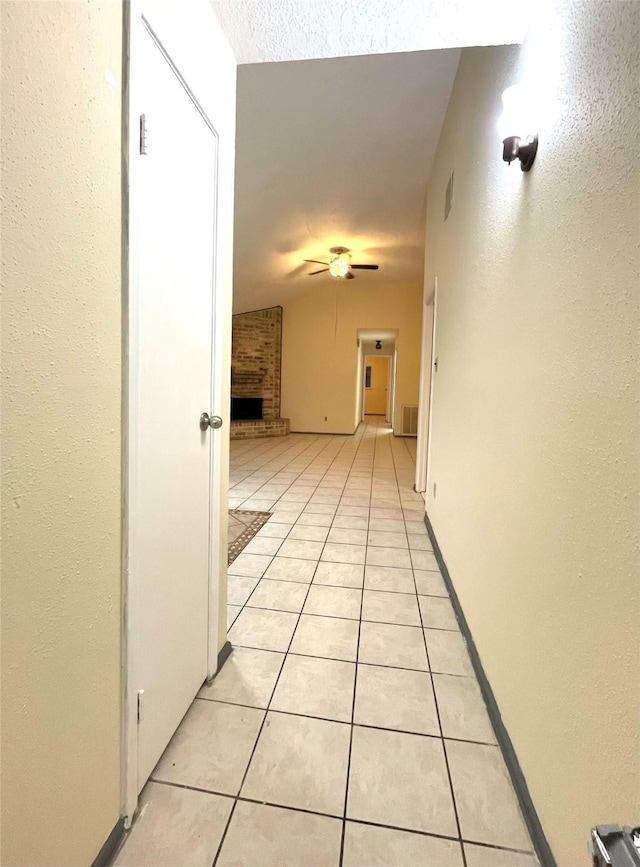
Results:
<point x="391" y="387"/>
<point x="136" y="17"/>
<point x="425" y="398"/>
<point x="433" y="370"/>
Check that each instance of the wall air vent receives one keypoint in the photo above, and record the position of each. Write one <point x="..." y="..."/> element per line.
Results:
<point x="448" y="196"/>
<point x="409" y="421"/>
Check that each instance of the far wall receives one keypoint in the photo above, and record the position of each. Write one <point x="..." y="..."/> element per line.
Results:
<point x="320" y="354"/>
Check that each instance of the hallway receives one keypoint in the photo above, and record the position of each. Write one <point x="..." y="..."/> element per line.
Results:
<point x="347" y="727"/>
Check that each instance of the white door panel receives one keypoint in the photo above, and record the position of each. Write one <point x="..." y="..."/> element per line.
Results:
<point x="171" y="456"/>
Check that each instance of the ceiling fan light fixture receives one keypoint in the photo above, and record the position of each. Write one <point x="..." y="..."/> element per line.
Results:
<point x="339" y="267"/>
<point x="339" y="264"/>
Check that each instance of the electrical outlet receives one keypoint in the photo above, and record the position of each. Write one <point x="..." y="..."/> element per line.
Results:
<point x="434" y="489"/>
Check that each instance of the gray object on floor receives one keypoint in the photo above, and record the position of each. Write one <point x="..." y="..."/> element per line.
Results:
<point x="616" y="846"/>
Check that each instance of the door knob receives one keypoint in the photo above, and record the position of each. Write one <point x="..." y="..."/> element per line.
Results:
<point x="213" y="421"/>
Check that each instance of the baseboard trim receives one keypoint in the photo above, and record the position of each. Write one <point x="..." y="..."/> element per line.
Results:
<point x="223" y="655"/>
<point x="112" y="842"/>
<point x="540" y="843"/>
<point x="324" y="433"/>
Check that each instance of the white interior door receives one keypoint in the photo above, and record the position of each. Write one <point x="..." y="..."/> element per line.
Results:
<point x="377" y="389"/>
<point x="171" y="385"/>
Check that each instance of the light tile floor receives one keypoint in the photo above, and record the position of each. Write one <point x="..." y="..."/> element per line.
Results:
<point x="347" y="727"/>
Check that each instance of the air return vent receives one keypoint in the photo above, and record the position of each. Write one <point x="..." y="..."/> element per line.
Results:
<point x="410" y="421"/>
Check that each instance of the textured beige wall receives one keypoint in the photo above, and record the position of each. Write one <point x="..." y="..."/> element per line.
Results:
<point x="320" y="352"/>
<point x="61" y="361"/>
<point x="535" y="421"/>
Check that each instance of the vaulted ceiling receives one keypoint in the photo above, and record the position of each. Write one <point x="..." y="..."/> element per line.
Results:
<point x="336" y="150"/>
<point x="329" y="153"/>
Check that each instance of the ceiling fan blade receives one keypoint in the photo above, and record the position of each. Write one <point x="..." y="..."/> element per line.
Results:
<point x="311" y="273"/>
<point x="366" y="267"/>
<point x="350" y="276"/>
<point x="315" y="261"/>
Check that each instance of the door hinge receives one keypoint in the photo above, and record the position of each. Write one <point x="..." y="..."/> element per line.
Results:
<point x="143" y="134"/>
<point x="140" y="705"/>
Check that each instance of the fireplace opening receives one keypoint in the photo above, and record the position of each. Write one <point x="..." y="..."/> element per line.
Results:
<point x="246" y="409"/>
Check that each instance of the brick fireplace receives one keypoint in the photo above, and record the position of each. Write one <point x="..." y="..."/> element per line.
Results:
<point x="255" y="374"/>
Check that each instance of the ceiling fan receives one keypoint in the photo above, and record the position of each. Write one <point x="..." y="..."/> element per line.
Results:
<point x="339" y="265"/>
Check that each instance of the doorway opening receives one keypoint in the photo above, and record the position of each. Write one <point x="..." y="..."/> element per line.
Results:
<point x="428" y="369"/>
<point x="376" y="374"/>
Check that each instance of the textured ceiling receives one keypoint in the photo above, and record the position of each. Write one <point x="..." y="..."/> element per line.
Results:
<point x="275" y="30"/>
<point x="335" y="152"/>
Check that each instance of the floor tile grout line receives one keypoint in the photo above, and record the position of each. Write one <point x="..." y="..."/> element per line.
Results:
<point x="342" y="616"/>
<point x="414" y="831"/>
<point x="326" y="445"/>
<point x="335" y="457"/>
<point x="373" y="473"/>
<point x="259" y="449"/>
<point x="255" y="745"/>
<point x="304" y="448"/>
<point x="346" y="586"/>
<point x="344" y="721"/>
<point x="275" y="686"/>
<point x="399" y="568"/>
<point x="339" y="659"/>
<point x="324" y="474"/>
<point x="246" y="604"/>
<point x="355" y="687"/>
<point x="439" y="719"/>
<point x="362" y="442"/>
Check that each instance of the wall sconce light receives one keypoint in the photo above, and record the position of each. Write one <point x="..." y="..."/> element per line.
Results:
<point x="516" y="143"/>
<point x="378" y="344"/>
